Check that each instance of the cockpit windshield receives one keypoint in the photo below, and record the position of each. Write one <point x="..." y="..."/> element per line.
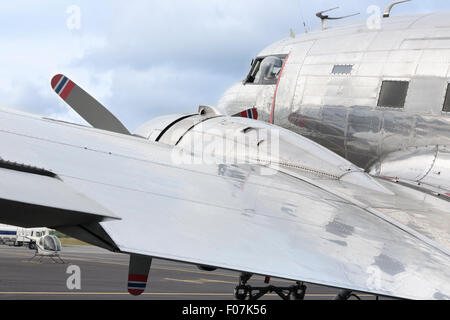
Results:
<point x="265" y="70"/>
<point x="51" y="243"/>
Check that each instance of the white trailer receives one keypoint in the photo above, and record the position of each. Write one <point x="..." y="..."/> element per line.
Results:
<point x="18" y="236"/>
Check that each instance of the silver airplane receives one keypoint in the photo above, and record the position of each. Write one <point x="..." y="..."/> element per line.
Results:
<point x="328" y="164"/>
<point x="379" y="98"/>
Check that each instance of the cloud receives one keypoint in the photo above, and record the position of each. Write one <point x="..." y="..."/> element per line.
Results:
<point x="162" y="90"/>
<point x="212" y="35"/>
<point x="147" y="58"/>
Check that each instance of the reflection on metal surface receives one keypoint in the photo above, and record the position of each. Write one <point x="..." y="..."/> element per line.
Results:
<point x="427" y="166"/>
<point x="289" y="209"/>
<point x="341" y="113"/>
<point x="217" y="223"/>
<point x="340" y="229"/>
<point x="339" y="242"/>
<point x="389" y="265"/>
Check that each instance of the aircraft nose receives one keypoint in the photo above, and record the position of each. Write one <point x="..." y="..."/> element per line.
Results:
<point x="236" y="99"/>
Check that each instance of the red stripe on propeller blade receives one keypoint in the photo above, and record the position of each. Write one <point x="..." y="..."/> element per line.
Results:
<point x="55" y="80"/>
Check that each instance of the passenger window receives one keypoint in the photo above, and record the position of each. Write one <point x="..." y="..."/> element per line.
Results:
<point x="393" y="94"/>
<point x="447" y="100"/>
<point x="265" y="70"/>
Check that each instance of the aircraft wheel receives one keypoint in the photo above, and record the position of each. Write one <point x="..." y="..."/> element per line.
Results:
<point x="241" y="292"/>
<point x="298" y="292"/>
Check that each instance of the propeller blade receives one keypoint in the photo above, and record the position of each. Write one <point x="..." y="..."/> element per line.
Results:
<point x="86" y="106"/>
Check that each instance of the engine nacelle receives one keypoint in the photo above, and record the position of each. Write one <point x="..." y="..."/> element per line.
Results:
<point x="208" y="136"/>
<point x="153" y="129"/>
<point x="156" y="128"/>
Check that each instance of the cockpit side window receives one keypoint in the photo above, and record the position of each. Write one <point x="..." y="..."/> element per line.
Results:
<point x="253" y="71"/>
<point x="265" y="70"/>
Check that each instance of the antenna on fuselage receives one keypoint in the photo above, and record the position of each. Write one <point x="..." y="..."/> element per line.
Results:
<point x="387" y="12"/>
<point x="324" y="18"/>
<point x="292" y="33"/>
<point x="303" y="17"/>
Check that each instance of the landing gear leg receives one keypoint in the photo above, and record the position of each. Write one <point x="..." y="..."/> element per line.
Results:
<point x="246" y="292"/>
<point x="242" y="291"/>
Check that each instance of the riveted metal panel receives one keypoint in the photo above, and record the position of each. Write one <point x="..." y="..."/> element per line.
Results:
<point x="425" y="95"/>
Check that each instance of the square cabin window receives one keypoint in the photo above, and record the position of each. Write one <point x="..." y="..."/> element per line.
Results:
<point x="447" y="100"/>
<point x="342" y="69"/>
<point x="393" y="94"/>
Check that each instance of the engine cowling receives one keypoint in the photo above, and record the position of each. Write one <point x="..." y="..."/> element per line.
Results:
<point x="152" y="129"/>
<point x="166" y="126"/>
<point x="207" y="137"/>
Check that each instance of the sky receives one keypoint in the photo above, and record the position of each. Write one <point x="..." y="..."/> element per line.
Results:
<point x="144" y="59"/>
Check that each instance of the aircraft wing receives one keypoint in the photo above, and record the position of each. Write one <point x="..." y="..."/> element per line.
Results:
<point x="31" y="198"/>
<point x="281" y="222"/>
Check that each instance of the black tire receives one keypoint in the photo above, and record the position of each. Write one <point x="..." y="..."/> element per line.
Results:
<point x="241" y="292"/>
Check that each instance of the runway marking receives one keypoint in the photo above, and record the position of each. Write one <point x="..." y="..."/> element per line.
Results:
<point x="155" y="267"/>
<point x="34" y="262"/>
<point x="181" y="270"/>
<point x="200" y="281"/>
<point x="16" y="254"/>
<point x="165" y="269"/>
<point x="158" y="268"/>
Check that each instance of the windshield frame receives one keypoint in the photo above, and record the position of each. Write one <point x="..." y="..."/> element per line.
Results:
<point x="256" y="64"/>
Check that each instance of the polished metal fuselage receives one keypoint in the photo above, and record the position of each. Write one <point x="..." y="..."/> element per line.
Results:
<point x="340" y="111"/>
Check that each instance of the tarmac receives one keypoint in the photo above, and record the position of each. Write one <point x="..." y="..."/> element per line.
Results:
<point x="104" y="276"/>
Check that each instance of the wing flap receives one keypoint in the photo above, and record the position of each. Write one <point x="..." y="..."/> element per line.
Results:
<point x="34" y="200"/>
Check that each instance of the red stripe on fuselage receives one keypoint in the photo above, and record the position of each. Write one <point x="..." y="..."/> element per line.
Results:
<point x="255" y="113"/>
<point x="276" y="89"/>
